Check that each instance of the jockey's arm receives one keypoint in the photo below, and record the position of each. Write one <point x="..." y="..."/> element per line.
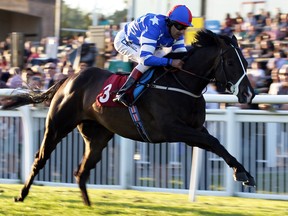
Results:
<point x="148" y="47"/>
<point x="179" y="45"/>
<point x="149" y="44"/>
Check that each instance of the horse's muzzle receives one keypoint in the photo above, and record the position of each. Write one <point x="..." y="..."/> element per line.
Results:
<point x="246" y="96"/>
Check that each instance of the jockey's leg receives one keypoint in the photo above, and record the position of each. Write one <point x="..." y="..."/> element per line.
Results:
<point x="122" y="95"/>
<point x="132" y="51"/>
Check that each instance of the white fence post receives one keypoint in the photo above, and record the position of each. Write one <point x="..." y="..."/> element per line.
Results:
<point x="195" y="173"/>
<point x="232" y="146"/>
<point x="126" y="161"/>
<point x="27" y="152"/>
<point x="271" y="146"/>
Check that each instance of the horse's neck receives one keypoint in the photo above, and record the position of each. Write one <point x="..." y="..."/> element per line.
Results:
<point x="181" y="80"/>
<point x="200" y="65"/>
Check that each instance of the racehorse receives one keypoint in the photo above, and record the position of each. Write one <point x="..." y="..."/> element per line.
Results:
<point x="173" y="113"/>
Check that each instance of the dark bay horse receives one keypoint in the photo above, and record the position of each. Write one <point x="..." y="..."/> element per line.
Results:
<point x="176" y="114"/>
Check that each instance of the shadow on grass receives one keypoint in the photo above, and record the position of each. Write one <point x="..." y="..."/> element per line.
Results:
<point x="168" y="209"/>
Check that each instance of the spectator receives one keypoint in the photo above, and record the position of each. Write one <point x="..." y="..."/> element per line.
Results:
<point x="251" y="33"/>
<point x="2" y="82"/>
<point x="35" y="83"/>
<point x="268" y="21"/>
<point x="283" y="26"/>
<point x="278" y="61"/>
<point x="258" y="77"/>
<point x="3" y="62"/>
<point x="239" y="33"/>
<point x="68" y="70"/>
<point x="267" y="49"/>
<point x="256" y="70"/>
<point x="283" y="89"/>
<point x="15" y="80"/>
<point x="26" y="74"/>
<point x="58" y="77"/>
<point x="229" y="22"/>
<point x="261" y="20"/>
<point x="49" y="72"/>
<point x="226" y="30"/>
<point x="82" y="66"/>
<point x="247" y="52"/>
<point x="27" y="51"/>
<point x="250" y="20"/>
<point x="274" y="32"/>
<point x="212" y="89"/>
<point x="275" y="85"/>
<point x="239" y="19"/>
<point x="34" y="54"/>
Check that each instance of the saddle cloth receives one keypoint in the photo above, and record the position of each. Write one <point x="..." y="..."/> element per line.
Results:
<point x="114" y="83"/>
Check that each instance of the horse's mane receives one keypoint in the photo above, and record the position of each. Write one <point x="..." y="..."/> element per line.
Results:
<point x="205" y="38"/>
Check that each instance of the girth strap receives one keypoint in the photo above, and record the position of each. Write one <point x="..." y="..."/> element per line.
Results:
<point x="138" y="123"/>
<point x="174" y="89"/>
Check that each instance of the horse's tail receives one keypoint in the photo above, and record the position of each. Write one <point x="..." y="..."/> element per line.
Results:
<point x="14" y="101"/>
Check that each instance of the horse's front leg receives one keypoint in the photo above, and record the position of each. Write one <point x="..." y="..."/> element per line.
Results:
<point x="202" y="139"/>
<point x="213" y="145"/>
<point x="96" y="138"/>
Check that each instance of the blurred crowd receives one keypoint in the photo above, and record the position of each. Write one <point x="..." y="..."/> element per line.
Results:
<point x="39" y="72"/>
<point x="263" y="39"/>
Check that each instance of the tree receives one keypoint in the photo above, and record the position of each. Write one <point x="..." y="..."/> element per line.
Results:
<point x="74" y="19"/>
<point x="118" y="17"/>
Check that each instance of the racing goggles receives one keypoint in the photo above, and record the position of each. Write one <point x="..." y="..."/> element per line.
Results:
<point x="179" y="26"/>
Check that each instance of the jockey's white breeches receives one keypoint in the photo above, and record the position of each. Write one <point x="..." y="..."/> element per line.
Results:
<point x="132" y="51"/>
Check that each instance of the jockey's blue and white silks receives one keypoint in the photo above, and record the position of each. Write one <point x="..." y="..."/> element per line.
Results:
<point x="144" y="38"/>
<point x="151" y="32"/>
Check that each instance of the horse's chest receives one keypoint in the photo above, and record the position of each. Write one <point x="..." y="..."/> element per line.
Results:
<point x="195" y="118"/>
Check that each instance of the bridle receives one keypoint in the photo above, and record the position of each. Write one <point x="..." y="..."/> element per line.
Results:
<point x="219" y="63"/>
<point x="234" y="88"/>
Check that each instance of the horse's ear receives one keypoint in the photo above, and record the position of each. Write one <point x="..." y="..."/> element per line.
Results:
<point x="234" y="40"/>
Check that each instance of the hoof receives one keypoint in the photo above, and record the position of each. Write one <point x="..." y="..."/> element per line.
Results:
<point x="18" y="199"/>
<point x="250" y="182"/>
<point x="241" y="177"/>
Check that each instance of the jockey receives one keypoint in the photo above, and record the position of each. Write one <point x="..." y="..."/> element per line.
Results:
<point x="142" y="41"/>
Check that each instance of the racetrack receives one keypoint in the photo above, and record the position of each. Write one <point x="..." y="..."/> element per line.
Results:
<point x="44" y="200"/>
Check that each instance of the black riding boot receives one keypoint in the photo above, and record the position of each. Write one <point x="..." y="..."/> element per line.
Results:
<point x="122" y="95"/>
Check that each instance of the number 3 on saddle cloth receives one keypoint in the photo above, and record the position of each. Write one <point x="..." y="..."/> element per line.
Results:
<point x="114" y="83"/>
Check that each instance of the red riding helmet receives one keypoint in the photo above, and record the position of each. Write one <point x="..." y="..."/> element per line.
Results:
<point x="181" y="14"/>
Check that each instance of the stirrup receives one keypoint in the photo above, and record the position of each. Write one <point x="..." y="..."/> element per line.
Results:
<point x="116" y="99"/>
<point x="122" y="99"/>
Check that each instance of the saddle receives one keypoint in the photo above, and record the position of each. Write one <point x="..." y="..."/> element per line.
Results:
<point x="114" y="83"/>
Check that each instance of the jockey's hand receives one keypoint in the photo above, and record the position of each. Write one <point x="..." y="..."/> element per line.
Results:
<point x="177" y="63"/>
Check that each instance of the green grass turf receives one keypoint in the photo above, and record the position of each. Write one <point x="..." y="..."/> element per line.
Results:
<point x="44" y="200"/>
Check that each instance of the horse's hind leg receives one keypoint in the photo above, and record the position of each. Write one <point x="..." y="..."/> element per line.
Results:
<point x="96" y="138"/>
<point x="47" y="147"/>
<point x="52" y="137"/>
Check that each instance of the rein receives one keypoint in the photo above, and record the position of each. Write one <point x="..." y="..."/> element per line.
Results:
<point x="185" y="90"/>
<point x="229" y="86"/>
